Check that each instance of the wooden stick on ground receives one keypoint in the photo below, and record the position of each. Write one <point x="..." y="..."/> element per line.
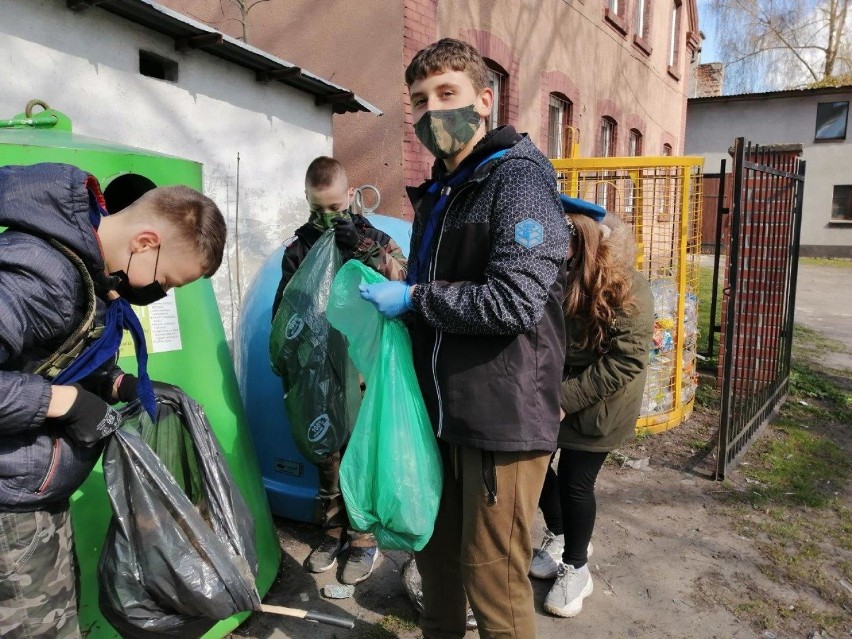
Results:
<point x="308" y="615"/>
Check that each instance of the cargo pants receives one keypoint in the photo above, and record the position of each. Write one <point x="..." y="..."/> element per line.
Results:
<point x="38" y="576"/>
<point x="329" y="509"/>
<point x="482" y="547"/>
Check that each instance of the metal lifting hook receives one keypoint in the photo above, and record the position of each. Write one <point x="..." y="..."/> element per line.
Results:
<point x="358" y="203"/>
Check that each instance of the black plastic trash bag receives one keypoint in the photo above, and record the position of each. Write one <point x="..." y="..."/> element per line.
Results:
<point x="321" y="388"/>
<point x="180" y="551"/>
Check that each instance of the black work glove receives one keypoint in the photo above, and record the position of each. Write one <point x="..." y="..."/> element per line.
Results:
<point x="89" y="419"/>
<point x="345" y="234"/>
<point x="127" y="390"/>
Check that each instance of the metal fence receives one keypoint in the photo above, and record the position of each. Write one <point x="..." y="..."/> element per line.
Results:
<point x="760" y="236"/>
<point x="660" y="197"/>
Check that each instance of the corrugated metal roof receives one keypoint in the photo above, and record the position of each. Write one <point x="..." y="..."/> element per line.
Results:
<point x="788" y="93"/>
<point x="191" y="34"/>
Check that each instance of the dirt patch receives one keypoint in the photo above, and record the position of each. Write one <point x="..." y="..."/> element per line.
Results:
<point x="677" y="555"/>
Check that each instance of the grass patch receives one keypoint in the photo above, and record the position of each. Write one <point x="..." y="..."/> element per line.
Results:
<point x="705" y="295"/>
<point x="706" y="395"/>
<point x="817" y="393"/>
<point x="798" y="463"/>
<point x="750" y="603"/>
<point x="809" y="343"/>
<point x="834" y="262"/>
<point x="791" y="499"/>
<point x="795" y="467"/>
<point x="390" y="627"/>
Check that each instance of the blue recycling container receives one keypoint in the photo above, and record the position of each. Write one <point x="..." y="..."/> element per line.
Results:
<point x="290" y="481"/>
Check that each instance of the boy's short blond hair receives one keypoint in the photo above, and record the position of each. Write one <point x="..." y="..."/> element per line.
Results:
<point x="323" y="172"/>
<point x="196" y="219"/>
<point x="445" y="55"/>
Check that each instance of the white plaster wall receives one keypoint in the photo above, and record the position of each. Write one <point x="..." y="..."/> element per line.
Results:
<point x="87" y="66"/>
<point x="712" y="127"/>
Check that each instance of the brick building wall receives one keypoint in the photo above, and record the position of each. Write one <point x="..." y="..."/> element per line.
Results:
<point x="709" y="80"/>
<point x="578" y="51"/>
<point x="419" y="19"/>
<point x="560" y="84"/>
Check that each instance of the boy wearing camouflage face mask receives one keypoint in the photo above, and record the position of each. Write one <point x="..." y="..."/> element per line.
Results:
<point x="483" y="296"/>
<point x="329" y="200"/>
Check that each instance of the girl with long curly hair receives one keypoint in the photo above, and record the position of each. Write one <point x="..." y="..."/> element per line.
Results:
<point x="609" y="314"/>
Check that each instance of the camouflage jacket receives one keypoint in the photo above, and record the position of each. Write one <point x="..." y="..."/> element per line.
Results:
<point x="375" y="248"/>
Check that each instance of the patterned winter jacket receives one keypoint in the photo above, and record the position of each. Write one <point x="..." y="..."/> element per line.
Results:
<point x="375" y="248"/>
<point x="42" y="299"/>
<point x="488" y="334"/>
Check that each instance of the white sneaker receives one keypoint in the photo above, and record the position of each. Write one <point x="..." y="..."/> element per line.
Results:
<point x="413" y="584"/>
<point x="572" y="585"/>
<point x="545" y="560"/>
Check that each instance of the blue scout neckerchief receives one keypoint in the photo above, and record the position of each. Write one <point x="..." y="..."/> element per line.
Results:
<point x="455" y="179"/>
<point x="119" y="316"/>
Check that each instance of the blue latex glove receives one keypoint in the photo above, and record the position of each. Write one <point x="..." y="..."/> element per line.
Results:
<point x="392" y="299"/>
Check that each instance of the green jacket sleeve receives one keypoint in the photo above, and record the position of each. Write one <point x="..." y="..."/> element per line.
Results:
<point x="385" y="258"/>
<point x="625" y="360"/>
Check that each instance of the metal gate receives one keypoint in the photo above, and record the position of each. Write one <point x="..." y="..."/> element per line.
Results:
<point x="761" y="234"/>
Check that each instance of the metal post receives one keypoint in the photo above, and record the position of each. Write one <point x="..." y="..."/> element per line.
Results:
<point x="721" y="210"/>
<point x="797" y="230"/>
<point x="731" y="293"/>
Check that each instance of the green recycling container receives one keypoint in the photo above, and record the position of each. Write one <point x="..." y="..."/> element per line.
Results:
<point x="186" y="344"/>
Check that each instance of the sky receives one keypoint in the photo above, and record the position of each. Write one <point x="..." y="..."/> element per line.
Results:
<point x="705" y="25"/>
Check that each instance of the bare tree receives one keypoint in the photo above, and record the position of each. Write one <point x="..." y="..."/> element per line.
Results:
<point x="780" y="44"/>
<point x="244" y="7"/>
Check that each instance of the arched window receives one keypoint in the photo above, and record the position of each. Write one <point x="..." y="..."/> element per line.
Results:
<point x="634" y="143"/>
<point x="559" y="114"/>
<point x="609" y="130"/>
<point x="606" y="189"/>
<point x="498" y="81"/>
<point x="674" y="35"/>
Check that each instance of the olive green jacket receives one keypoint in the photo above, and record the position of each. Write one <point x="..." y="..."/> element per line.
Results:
<point x="602" y="393"/>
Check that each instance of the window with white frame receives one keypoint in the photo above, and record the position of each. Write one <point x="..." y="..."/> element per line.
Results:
<point x="497" y="83"/>
<point x="634" y="143"/>
<point x="558" y="121"/>
<point x="674" y="35"/>
<point x="641" y="25"/>
<point x="605" y="195"/>
<point x="608" y="132"/>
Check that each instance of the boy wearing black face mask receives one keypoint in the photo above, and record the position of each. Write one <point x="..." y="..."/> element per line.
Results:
<point x="329" y="199"/>
<point x="62" y="257"/>
<point x="483" y="294"/>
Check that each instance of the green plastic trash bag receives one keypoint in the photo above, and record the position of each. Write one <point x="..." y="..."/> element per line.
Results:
<point x="321" y="387"/>
<point x="390" y="474"/>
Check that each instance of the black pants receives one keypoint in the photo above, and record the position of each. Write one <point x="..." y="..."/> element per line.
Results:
<point x="568" y="501"/>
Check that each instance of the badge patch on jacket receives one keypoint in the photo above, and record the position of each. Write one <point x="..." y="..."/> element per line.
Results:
<point x="529" y="233"/>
